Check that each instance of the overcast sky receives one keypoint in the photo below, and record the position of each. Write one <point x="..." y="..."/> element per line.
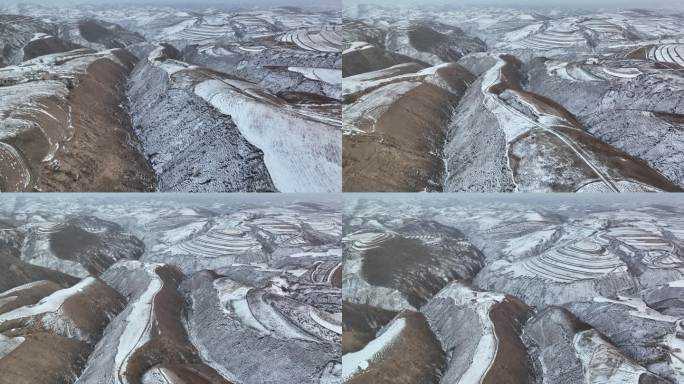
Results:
<point x="537" y="3"/>
<point x="328" y="3"/>
<point x="192" y="3"/>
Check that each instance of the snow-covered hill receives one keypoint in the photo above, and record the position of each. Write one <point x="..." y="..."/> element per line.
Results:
<point x="185" y="289"/>
<point x="555" y="100"/>
<point x="491" y="288"/>
<point x="218" y="100"/>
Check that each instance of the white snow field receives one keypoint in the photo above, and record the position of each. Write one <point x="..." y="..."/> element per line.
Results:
<point x="302" y="154"/>
<point x="139" y="322"/>
<point x="352" y="363"/>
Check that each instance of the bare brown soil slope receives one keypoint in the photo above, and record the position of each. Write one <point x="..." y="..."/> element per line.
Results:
<point x="360" y="324"/>
<point x="101" y="155"/>
<point x="415" y="356"/>
<point x="14" y="272"/>
<point x="83" y="315"/>
<point x="26" y="295"/>
<point x="371" y="59"/>
<point x="44" y="358"/>
<point x="47" y="46"/>
<point x="511" y="364"/>
<point x="403" y="152"/>
<point x="169" y="345"/>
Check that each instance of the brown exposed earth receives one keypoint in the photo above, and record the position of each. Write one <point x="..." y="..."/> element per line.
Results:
<point x="360" y="324"/>
<point x="102" y="155"/>
<point x="86" y="313"/>
<point x="424" y="38"/>
<point x="174" y="348"/>
<point x="371" y="59"/>
<point x="47" y="46"/>
<point x="22" y="296"/>
<point x="400" y="264"/>
<point x="402" y="154"/>
<point x="60" y="360"/>
<point x="511" y="364"/>
<point x="15" y="272"/>
<point x="415" y="356"/>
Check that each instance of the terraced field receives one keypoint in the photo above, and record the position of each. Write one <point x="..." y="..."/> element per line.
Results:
<point x="585" y="259"/>
<point x="220" y="243"/>
<point x="554" y="39"/>
<point x="200" y="32"/>
<point x="326" y="40"/>
<point x="668" y="53"/>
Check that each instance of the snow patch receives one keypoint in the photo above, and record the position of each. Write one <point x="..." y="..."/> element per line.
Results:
<point x="487" y="346"/>
<point x="139" y="323"/>
<point x="326" y="75"/>
<point x="602" y="362"/>
<point x="355" y="362"/>
<point x="300" y="153"/>
<point x="7" y="345"/>
<point x="49" y="304"/>
<point x="337" y="328"/>
<point x="232" y="296"/>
